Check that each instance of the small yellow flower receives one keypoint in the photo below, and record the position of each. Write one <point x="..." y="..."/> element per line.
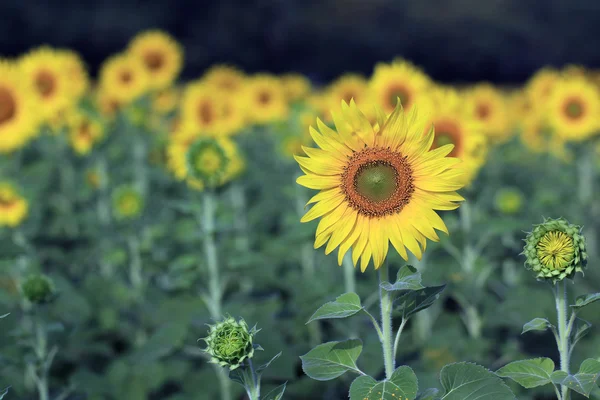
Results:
<point x="265" y="99"/>
<point x="127" y="202"/>
<point x="225" y="78"/>
<point x="124" y="78"/>
<point x="84" y="132"/>
<point x="509" y="200"/>
<point x="161" y="56"/>
<point x="490" y="108"/>
<point x="166" y="100"/>
<point x="296" y="86"/>
<point x="13" y="207"/>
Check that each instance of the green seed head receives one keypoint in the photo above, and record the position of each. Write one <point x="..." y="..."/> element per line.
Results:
<point x="207" y="161"/>
<point x="38" y="289"/>
<point x="555" y="250"/>
<point x="229" y="343"/>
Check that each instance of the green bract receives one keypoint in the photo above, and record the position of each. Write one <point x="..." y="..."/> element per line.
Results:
<point x="38" y="289"/>
<point x="555" y="250"/>
<point x="207" y="161"/>
<point x="229" y="343"/>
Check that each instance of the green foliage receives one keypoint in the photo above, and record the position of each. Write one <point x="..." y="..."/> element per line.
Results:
<point x="466" y="381"/>
<point x="402" y="385"/>
<point x="583" y="381"/>
<point x="529" y="373"/>
<point x="344" y="306"/>
<point x="330" y="360"/>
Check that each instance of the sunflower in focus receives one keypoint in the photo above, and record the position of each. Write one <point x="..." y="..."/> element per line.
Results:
<point x="160" y="55"/>
<point x="48" y="81"/>
<point x="124" y="78"/>
<point x="574" y="109"/>
<point x="453" y="125"/>
<point x="76" y="71"/>
<point x="296" y="86"/>
<point x="225" y="77"/>
<point x="489" y="107"/>
<point x="13" y="206"/>
<point x="265" y="99"/>
<point x="398" y="80"/>
<point x="84" y="132"/>
<point x="378" y="186"/>
<point x="18" y="112"/>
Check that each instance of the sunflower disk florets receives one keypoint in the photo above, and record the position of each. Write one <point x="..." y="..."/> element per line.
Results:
<point x="229" y="343"/>
<point x="555" y="250"/>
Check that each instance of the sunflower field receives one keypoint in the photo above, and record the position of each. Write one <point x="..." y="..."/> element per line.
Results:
<point x="258" y="236"/>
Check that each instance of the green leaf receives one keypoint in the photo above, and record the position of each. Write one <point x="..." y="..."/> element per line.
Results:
<point x="329" y="360"/>
<point x="467" y="381"/>
<point x="582" y="328"/>
<point x="429" y="394"/>
<point x="529" y="373"/>
<point x="242" y="375"/>
<point x="538" y="324"/>
<point x="558" y="377"/>
<point x="260" y="369"/>
<point x="402" y="385"/>
<point x="408" y="278"/>
<point x="586" y="299"/>
<point x="4" y="316"/>
<point x="275" y="394"/>
<point x="344" y="306"/>
<point x="417" y="300"/>
<point x="4" y="392"/>
<point x="585" y="380"/>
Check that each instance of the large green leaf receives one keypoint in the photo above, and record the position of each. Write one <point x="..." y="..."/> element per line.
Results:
<point x="344" y="306"/>
<point x="582" y="382"/>
<point x="585" y="300"/>
<point x="537" y="324"/>
<point x="402" y="384"/>
<point x="429" y="394"/>
<point x="417" y="300"/>
<point x="467" y="381"/>
<point x="329" y="360"/>
<point x="275" y="394"/>
<point x="408" y="278"/>
<point x="529" y="373"/>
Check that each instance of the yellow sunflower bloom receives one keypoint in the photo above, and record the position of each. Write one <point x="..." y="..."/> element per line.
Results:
<point x="13" y="206"/>
<point x="540" y="86"/>
<point x="77" y="72"/>
<point x="453" y="125"/>
<point x="107" y="104"/>
<point x="296" y="86"/>
<point x="378" y="186"/>
<point x="84" y="132"/>
<point x="398" y="80"/>
<point x="489" y="107"/>
<point x="124" y="78"/>
<point x="18" y="113"/>
<point x="347" y="87"/>
<point x="161" y="56"/>
<point x="226" y="78"/>
<point x="265" y="99"/>
<point x="48" y="80"/>
<point x="166" y="100"/>
<point x="574" y="109"/>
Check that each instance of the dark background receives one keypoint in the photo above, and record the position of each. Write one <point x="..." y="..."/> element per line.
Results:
<point x="503" y="41"/>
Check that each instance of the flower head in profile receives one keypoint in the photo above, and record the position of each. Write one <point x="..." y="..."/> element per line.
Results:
<point x="230" y="343"/>
<point x="555" y="250"/>
<point x="378" y="184"/>
<point x="38" y="289"/>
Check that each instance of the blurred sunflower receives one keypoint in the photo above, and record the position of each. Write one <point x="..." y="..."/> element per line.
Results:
<point x="398" y="80"/>
<point x="166" y="100"/>
<point x="378" y="186"/>
<point x="347" y="87"/>
<point x="76" y="71"/>
<point x="128" y="202"/>
<point x="294" y="133"/>
<point x="453" y="125"/>
<point x="489" y="107"/>
<point x="296" y="86"/>
<point x="84" y="132"/>
<point x="48" y="81"/>
<point x="124" y="78"/>
<point x="574" y="109"/>
<point x="161" y="56"/>
<point x="106" y="103"/>
<point x="201" y="110"/>
<point x="265" y="99"/>
<point x="18" y="112"/>
<point x="539" y="87"/>
<point x="13" y="206"/>
<point x="225" y="77"/>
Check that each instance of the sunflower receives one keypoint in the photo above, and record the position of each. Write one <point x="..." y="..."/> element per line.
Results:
<point x="48" y="81"/>
<point x="128" y="202"/>
<point x="166" y="100"/>
<point x="539" y="88"/>
<point x="294" y="133"/>
<point x="124" y="78"/>
<point x="161" y="56"/>
<point x="18" y="113"/>
<point x="296" y="86"/>
<point x="13" y="207"/>
<point x="106" y="103"/>
<point x="201" y="109"/>
<point x="265" y="99"/>
<point x="84" y="132"/>
<point x="347" y="87"/>
<point x="489" y="107"/>
<point x="398" y="80"/>
<point x="574" y="109"/>
<point x="378" y="186"/>
<point x="226" y="78"/>
<point x="77" y="72"/>
<point x="453" y="125"/>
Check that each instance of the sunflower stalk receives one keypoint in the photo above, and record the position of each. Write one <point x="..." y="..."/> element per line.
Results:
<point x="386" y="302"/>
<point x="44" y="358"/>
<point x="585" y="191"/>
<point x="564" y="331"/>
<point x="135" y="264"/>
<point x="423" y="321"/>
<point x="240" y="222"/>
<point x="349" y="286"/>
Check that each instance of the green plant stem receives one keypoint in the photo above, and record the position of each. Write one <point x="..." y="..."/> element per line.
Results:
<point x="140" y="155"/>
<point x="224" y="382"/>
<point x="349" y="276"/>
<point x="41" y="350"/>
<point x="585" y="191"/>
<point x="254" y="391"/>
<point x="563" y="331"/>
<point x="135" y="264"/>
<point x="240" y="222"/>
<point x="385" y="299"/>
<point x="398" y="334"/>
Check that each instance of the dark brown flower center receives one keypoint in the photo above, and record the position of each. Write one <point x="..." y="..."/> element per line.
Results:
<point x="8" y="105"/>
<point x="154" y="60"/>
<point x="574" y="109"/>
<point x="206" y="112"/>
<point x="396" y="92"/>
<point x="45" y="83"/>
<point x="126" y="76"/>
<point x="264" y="97"/>
<point x="448" y="132"/>
<point x="483" y="110"/>
<point x="377" y="182"/>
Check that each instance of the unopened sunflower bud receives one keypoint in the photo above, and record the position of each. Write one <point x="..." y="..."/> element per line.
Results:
<point x="38" y="289"/>
<point x="555" y="250"/>
<point x="509" y="200"/>
<point x="229" y="343"/>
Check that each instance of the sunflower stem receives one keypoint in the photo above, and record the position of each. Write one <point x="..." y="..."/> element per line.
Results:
<point x="240" y="222"/>
<point x="398" y="334"/>
<point x="560" y="292"/>
<point x="385" y="299"/>
<point x="587" y="176"/>
<point x="349" y="286"/>
<point x="135" y="264"/>
<point x="254" y="391"/>
<point x="41" y="346"/>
